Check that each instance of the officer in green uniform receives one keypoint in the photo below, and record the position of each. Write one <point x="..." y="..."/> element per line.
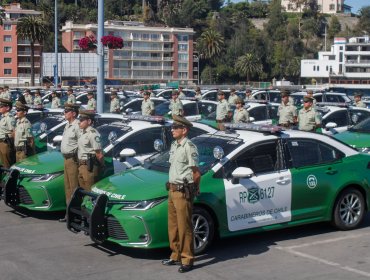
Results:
<point x="91" y="103"/>
<point x="241" y="115"/>
<point x="55" y="101"/>
<point x="181" y="93"/>
<point x="198" y="94"/>
<point x="184" y="175"/>
<point x="233" y="97"/>
<point x="7" y="126"/>
<point x="287" y="112"/>
<point x="71" y="98"/>
<point x="222" y="110"/>
<point x="68" y="148"/>
<point x="28" y="97"/>
<point x="176" y="104"/>
<point x="308" y="118"/>
<point x="114" y="102"/>
<point x="147" y="106"/>
<point x="358" y="102"/>
<point x="23" y="140"/>
<point x="5" y="93"/>
<point x="248" y="95"/>
<point x="37" y="101"/>
<point x="310" y="94"/>
<point x="90" y="154"/>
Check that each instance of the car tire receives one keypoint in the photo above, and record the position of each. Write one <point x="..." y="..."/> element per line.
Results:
<point x="349" y="209"/>
<point x="203" y="229"/>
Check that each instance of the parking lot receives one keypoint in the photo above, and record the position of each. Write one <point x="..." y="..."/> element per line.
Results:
<point x="37" y="246"/>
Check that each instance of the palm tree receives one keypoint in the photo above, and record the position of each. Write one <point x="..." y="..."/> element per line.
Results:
<point x="34" y="29"/>
<point x="210" y="44"/>
<point x="248" y="65"/>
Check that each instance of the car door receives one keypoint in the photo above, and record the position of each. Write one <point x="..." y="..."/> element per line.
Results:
<point x="263" y="199"/>
<point x="340" y="118"/>
<point x="315" y="167"/>
<point x="259" y="114"/>
<point x="358" y="115"/>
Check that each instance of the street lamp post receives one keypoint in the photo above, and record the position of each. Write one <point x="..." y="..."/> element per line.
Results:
<point x="100" y="68"/>
<point x="56" y="43"/>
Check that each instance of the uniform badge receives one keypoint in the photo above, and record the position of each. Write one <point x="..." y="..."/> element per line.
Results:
<point x="97" y="139"/>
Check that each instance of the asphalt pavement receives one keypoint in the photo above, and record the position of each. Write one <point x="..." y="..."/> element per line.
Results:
<point x="36" y="246"/>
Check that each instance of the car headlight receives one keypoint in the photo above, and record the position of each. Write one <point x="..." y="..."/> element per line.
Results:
<point x="142" y="204"/>
<point x="46" y="177"/>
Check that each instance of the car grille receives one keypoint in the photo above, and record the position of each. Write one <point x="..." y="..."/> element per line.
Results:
<point x="115" y="230"/>
<point x="24" y="196"/>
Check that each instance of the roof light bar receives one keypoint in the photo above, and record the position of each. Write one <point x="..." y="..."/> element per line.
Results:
<point x="338" y="104"/>
<point x="156" y="119"/>
<point x="188" y="98"/>
<point x="256" y="101"/>
<point x="254" y="127"/>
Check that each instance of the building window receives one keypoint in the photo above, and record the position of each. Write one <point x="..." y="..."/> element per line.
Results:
<point x="7" y="60"/>
<point x="183" y="38"/>
<point x="183" y="47"/>
<point x="7" y="27"/>
<point x="154" y="37"/>
<point x="183" y="66"/>
<point x="183" y="57"/>
<point x="318" y="68"/>
<point x="319" y="7"/>
<point x="314" y="68"/>
<point x="331" y="7"/>
<point x="7" y="71"/>
<point x="7" y="38"/>
<point x="327" y="68"/>
<point x="7" y="49"/>
<point x="290" y="6"/>
<point x="341" y="48"/>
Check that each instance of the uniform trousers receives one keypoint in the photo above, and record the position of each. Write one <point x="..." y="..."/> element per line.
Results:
<point x="86" y="178"/>
<point x="180" y="227"/>
<point x="70" y="177"/>
<point x="220" y="125"/>
<point x="7" y="159"/>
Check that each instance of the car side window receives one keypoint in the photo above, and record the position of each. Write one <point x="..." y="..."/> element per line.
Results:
<point x="304" y="152"/>
<point x="358" y="116"/>
<point x="206" y="108"/>
<point x="191" y="109"/>
<point x="258" y="113"/>
<point x="338" y="117"/>
<point x="318" y="98"/>
<point x="135" y="106"/>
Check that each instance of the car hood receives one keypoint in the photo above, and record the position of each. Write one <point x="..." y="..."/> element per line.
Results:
<point x="43" y="163"/>
<point x="355" y="139"/>
<point x="136" y="184"/>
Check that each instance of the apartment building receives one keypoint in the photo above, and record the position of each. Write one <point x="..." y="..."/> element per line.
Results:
<point x="348" y="61"/>
<point x="149" y="54"/>
<point x="324" y="6"/>
<point x="15" y="61"/>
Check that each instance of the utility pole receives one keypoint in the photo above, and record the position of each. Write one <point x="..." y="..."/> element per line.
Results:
<point x="100" y="69"/>
<point x="56" y="82"/>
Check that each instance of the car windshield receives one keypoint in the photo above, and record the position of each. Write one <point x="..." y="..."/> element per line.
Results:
<point x="105" y="129"/>
<point x="363" y="126"/>
<point x="205" y="145"/>
<point x="50" y="122"/>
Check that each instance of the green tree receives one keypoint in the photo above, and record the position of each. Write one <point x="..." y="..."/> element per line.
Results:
<point x="248" y="65"/>
<point x="276" y="26"/>
<point x="210" y="44"/>
<point x="34" y="29"/>
<point x="364" y="21"/>
<point x="334" y="27"/>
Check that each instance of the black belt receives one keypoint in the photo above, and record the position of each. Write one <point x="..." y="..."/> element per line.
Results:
<point x="21" y="148"/>
<point x="82" y="162"/>
<point x="70" y="155"/>
<point x="2" y="140"/>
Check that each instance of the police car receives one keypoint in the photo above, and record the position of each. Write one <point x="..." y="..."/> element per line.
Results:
<point x="134" y="106"/>
<point x="358" y="136"/>
<point x="37" y="182"/>
<point x="167" y="93"/>
<point x="254" y="178"/>
<point x="327" y="97"/>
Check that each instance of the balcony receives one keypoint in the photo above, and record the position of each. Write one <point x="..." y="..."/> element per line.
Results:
<point x="357" y="62"/>
<point x="77" y="48"/>
<point x="168" y="58"/>
<point x="28" y="64"/>
<point x="28" y="53"/>
<point x="147" y="58"/>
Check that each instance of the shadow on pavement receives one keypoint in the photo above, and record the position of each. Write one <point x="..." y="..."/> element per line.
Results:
<point x="25" y="213"/>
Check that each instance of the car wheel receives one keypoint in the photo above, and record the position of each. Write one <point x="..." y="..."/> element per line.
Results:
<point x="349" y="210"/>
<point x="203" y="228"/>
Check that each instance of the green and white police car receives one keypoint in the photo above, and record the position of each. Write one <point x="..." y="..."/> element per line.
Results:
<point x="254" y="178"/>
<point x="358" y="136"/>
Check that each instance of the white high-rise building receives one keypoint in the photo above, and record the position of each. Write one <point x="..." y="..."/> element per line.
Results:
<point x="324" y="6"/>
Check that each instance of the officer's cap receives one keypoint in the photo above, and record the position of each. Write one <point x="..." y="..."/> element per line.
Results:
<point x="239" y="100"/>
<point x="233" y="90"/>
<point x="113" y="92"/>
<point x="70" y="90"/>
<point x="21" y="106"/>
<point x="310" y="91"/>
<point x="27" y="91"/>
<point x="146" y="93"/>
<point x="357" y="94"/>
<point x="87" y="114"/>
<point x="70" y="106"/>
<point x="5" y="102"/>
<point x="90" y="93"/>
<point x="220" y="92"/>
<point x="307" y="99"/>
<point x="175" y="92"/>
<point x="284" y="94"/>
<point x="178" y="120"/>
<point x="198" y="89"/>
<point x="285" y="91"/>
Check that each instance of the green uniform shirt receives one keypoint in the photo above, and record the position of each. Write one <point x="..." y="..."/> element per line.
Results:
<point x="182" y="95"/>
<point x="183" y="156"/>
<point x="232" y="99"/>
<point x="71" y="134"/>
<point x="55" y="103"/>
<point x="88" y="143"/>
<point x="22" y="132"/>
<point x="308" y="119"/>
<point x="114" y="105"/>
<point x="71" y="99"/>
<point x="241" y="116"/>
<point x="222" y="110"/>
<point x="360" y="104"/>
<point x="91" y="104"/>
<point x="147" y="106"/>
<point x="7" y="125"/>
<point x="37" y="101"/>
<point x="286" y="113"/>
<point x="5" y="95"/>
<point x="175" y="106"/>
<point x="28" y="99"/>
<point x="198" y="96"/>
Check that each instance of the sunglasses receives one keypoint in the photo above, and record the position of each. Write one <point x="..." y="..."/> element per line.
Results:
<point x="19" y="110"/>
<point x="83" y="119"/>
<point x="306" y="101"/>
<point x="176" y="126"/>
<point x="68" y="110"/>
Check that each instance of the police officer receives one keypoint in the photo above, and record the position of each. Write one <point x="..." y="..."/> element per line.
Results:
<point x="248" y="95"/>
<point x="308" y="118"/>
<point x="6" y="93"/>
<point x="7" y="126"/>
<point x="90" y="155"/>
<point x="68" y="148"/>
<point x="198" y="94"/>
<point x="37" y="101"/>
<point x="310" y="94"/>
<point x="184" y="165"/>
<point x="23" y="139"/>
<point x="28" y="97"/>
<point x="114" y="102"/>
<point x="176" y="104"/>
<point x="71" y="98"/>
<point x="222" y="110"/>
<point x="241" y="115"/>
<point x="358" y="101"/>
<point x="181" y="93"/>
<point x="91" y="103"/>
<point x="233" y="97"/>
<point x="287" y="112"/>
<point x="147" y="106"/>
<point x="55" y="101"/>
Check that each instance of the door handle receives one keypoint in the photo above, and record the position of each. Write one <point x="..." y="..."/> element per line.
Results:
<point x="282" y="181"/>
<point x="331" y="171"/>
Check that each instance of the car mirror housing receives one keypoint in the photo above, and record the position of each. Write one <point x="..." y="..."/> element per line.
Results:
<point x="241" y="172"/>
<point x="125" y="153"/>
<point x="331" y="125"/>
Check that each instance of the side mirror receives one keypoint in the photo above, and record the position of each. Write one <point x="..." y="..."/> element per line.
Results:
<point x="128" y="111"/>
<point x="125" y="153"/>
<point x="57" y="140"/>
<point x="78" y="103"/>
<point x="251" y="119"/>
<point x="241" y="172"/>
<point x="46" y="101"/>
<point x="330" y="125"/>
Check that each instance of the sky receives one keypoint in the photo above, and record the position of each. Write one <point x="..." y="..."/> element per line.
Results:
<point x="355" y="4"/>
